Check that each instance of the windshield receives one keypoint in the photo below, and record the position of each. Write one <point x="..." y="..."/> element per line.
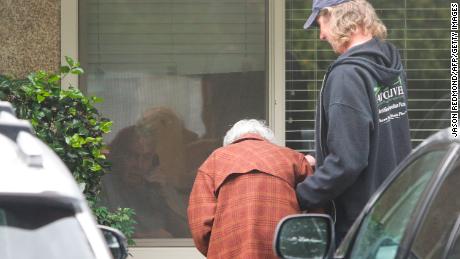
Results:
<point x="40" y="231"/>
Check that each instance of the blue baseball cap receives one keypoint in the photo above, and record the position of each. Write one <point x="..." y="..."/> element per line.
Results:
<point x="317" y="6"/>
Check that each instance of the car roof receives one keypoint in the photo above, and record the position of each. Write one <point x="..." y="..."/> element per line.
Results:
<point x="444" y="136"/>
<point x="28" y="166"/>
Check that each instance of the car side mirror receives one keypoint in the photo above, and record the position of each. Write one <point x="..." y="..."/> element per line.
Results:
<point x="116" y="242"/>
<point x="304" y="236"/>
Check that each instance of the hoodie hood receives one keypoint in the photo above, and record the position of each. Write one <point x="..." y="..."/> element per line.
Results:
<point x="380" y="58"/>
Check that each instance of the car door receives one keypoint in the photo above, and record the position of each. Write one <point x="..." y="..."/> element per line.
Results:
<point x="438" y="228"/>
<point x="381" y="229"/>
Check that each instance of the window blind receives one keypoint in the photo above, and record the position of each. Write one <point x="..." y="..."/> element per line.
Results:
<point x="174" y="75"/>
<point x="173" y="36"/>
<point x="154" y="48"/>
<point x="419" y="29"/>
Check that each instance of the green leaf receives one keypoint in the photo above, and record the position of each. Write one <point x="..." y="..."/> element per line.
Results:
<point x="83" y="131"/>
<point x="67" y="140"/>
<point x="90" y="139"/>
<point x="96" y="99"/>
<point x="69" y="61"/>
<point x="47" y="93"/>
<point x="40" y="98"/>
<point x="106" y="126"/>
<point x="34" y="122"/>
<point x="73" y="111"/>
<point x="27" y="89"/>
<point x="31" y="78"/>
<point x="54" y="79"/>
<point x="40" y="75"/>
<point x="76" y="141"/>
<point x="97" y="153"/>
<point x="64" y="69"/>
<point x="95" y="167"/>
<point x="77" y="71"/>
<point x="74" y="93"/>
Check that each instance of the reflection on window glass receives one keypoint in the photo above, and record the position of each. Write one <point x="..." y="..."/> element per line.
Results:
<point x="175" y="75"/>
<point x="383" y="228"/>
<point x="420" y="29"/>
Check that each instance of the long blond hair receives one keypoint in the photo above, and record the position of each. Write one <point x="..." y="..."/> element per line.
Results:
<point x="348" y="17"/>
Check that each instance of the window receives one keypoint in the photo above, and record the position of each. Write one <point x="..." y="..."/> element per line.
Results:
<point x="439" y="222"/>
<point x="420" y="29"/>
<point x="382" y="229"/>
<point x="175" y="75"/>
<point x="40" y="230"/>
<point x="454" y="252"/>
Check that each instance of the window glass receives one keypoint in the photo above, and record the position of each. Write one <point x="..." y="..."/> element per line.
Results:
<point x="420" y="29"/>
<point x="175" y="75"/>
<point x="41" y="231"/>
<point x="438" y="224"/>
<point x="382" y="229"/>
<point x="454" y="253"/>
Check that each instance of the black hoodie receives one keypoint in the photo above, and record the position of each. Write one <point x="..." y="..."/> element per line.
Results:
<point x="362" y="130"/>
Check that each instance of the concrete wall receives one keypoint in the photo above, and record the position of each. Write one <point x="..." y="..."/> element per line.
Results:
<point x="29" y="36"/>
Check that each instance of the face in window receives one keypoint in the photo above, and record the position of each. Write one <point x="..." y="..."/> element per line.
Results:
<point x="140" y="163"/>
<point x="131" y="158"/>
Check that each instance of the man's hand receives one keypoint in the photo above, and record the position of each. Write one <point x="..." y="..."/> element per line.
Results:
<point x="311" y="160"/>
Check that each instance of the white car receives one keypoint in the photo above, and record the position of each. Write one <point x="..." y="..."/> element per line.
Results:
<point x="43" y="213"/>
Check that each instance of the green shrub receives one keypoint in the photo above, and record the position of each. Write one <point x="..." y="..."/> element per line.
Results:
<point x="69" y="123"/>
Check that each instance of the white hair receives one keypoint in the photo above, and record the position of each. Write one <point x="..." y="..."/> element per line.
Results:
<point x="249" y="126"/>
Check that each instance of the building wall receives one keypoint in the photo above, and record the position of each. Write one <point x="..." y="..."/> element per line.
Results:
<point x="29" y="36"/>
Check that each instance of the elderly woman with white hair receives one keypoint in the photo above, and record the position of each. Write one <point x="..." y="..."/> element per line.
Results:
<point x="241" y="192"/>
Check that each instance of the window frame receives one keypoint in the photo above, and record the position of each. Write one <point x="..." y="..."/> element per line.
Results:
<point x="275" y="40"/>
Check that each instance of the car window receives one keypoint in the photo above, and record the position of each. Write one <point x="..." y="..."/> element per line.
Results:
<point x="41" y="231"/>
<point x="437" y="226"/>
<point x="454" y="252"/>
<point x="382" y="229"/>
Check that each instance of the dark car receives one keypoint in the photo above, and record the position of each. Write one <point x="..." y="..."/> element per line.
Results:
<point x="414" y="214"/>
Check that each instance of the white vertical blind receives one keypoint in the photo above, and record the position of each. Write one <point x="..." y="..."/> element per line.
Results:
<point x="176" y="36"/>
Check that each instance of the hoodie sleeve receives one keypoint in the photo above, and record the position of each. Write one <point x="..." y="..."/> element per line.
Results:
<point x="349" y="121"/>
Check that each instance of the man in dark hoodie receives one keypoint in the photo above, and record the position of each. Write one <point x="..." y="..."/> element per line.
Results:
<point x="362" y="127"/>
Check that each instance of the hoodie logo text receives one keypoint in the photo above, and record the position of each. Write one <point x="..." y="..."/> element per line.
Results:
<point x="391" y="101"/>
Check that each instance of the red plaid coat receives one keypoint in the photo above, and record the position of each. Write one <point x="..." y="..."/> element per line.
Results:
<point x="240" y="193"/>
